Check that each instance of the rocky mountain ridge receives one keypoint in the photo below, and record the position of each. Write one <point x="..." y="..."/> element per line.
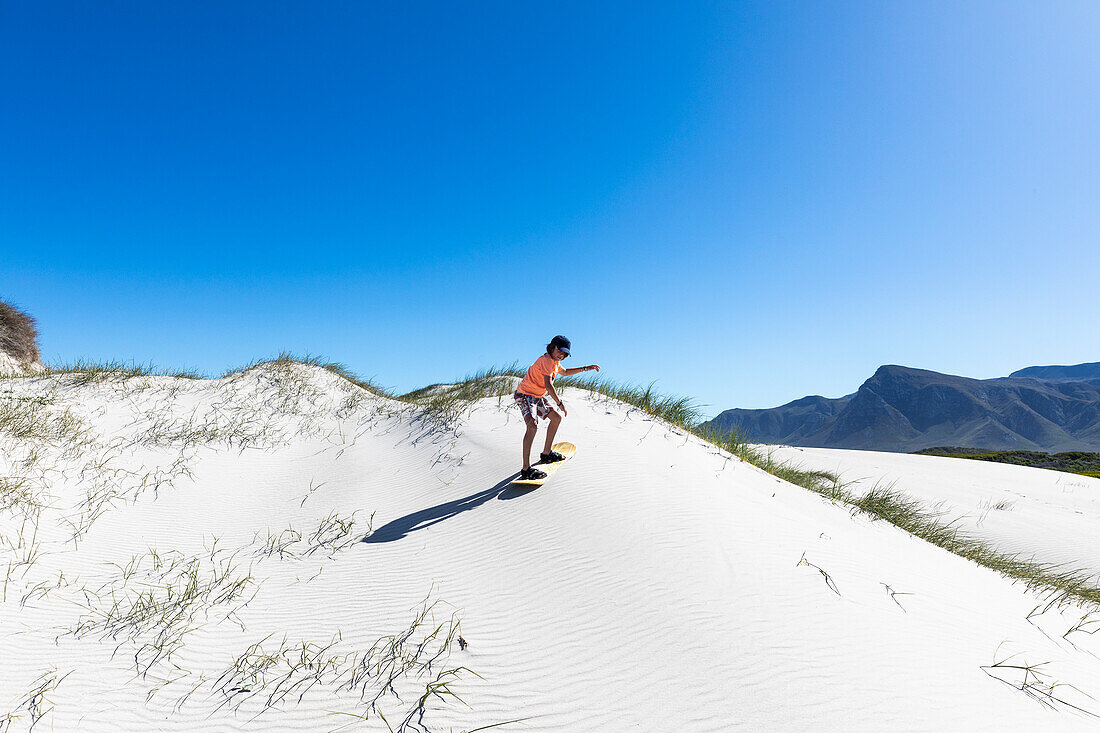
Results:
<point x="904" y="409"/>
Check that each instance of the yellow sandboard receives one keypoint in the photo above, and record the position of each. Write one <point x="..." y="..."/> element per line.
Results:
<point x="566" y="449"/>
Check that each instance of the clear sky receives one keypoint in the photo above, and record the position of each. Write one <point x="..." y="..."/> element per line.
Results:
<point x="747" y="202"/>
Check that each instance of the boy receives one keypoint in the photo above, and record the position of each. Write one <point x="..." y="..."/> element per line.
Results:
<point x="530" y="396"/>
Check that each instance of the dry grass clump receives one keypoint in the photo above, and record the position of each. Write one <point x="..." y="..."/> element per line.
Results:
<point x="155" y="600"/>
<point x="18" y="335"/>
<point x="1031" y="679"/>
<point x="332" y="535"/>
<point x="447" y="403"/>
<point x="35" y="419"/>
<point x="268" y="675"/>
<point x="34" y="701"/>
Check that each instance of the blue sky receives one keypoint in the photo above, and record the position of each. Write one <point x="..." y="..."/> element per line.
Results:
<point x="746" y="202"/>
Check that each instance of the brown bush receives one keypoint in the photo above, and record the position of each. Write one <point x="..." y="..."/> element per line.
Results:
<point x="18" y="336"/>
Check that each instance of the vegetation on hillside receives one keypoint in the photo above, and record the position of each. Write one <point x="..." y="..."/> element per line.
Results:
<point x="18" y="335"/>
<point x="1086" y="464"/>
<point x="450" y="402"/>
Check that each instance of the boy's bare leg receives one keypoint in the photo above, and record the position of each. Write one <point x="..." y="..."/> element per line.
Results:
<point x="552" y="430"/>
<point x="528" y="441"/>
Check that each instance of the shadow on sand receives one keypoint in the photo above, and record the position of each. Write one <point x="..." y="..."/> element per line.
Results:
<point x="401" y="527"/>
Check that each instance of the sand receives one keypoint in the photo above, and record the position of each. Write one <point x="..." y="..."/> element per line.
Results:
<point x="655" y="584"/>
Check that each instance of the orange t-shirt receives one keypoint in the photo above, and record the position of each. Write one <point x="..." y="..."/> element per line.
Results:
<point x="534" y="383"/>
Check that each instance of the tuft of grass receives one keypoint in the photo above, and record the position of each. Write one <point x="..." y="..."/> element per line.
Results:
<point x="269" y="674"/>
<point x="1032" y="680"/>
<point x="155" y="600"/>
<point x="445" y="404"/>
<point x="490" y="382"/>
<point x="332" y="534"/>
<point x="278" y="544"/>
<point x="33" y="419"/>
<point x="335" y="533"/>
<point x="290" y="669"/>
<point x="288" y="359"/>
<point x="89" y="372"/>
<point x="34" y="701"/>
<point x="18" y="497"/>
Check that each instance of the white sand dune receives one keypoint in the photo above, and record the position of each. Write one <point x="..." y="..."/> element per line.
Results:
<point x="1050" y="516"/>
<point x="654" y="584"/>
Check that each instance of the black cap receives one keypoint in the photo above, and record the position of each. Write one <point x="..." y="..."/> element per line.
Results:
<point x="562" y="343"/>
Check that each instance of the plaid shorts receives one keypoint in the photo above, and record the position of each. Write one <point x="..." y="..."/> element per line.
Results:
<point x="532" y="406"/>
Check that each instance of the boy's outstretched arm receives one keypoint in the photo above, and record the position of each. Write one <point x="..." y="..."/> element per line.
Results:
<point x="567" y="372"/>
<point x="578" y="370"/>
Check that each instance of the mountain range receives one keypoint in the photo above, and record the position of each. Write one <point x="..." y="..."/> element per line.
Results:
<point x="901" y="409"/>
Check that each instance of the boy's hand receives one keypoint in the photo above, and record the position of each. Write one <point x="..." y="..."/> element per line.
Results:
<point x="592" y="366"/>
<point x="561" y="406"/>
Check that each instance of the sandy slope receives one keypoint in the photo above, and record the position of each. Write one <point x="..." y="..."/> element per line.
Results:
<point x="653" y="585"/>
<point x="1049" y="515"/>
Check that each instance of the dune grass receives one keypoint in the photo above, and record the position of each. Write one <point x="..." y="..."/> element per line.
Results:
<point x="332" y="534"/>
<point x="34" y="701"/>
<point x="87" y="371"/>
<point x="22" y="551"/>
<point x="155" y="600"/>
<point x="32" y="419"/>
<point x="288" y="359"/>
<point x="90" y="372"/>
<point x="447" y="403"/>
<point x="682" y="412"/>
<point x="451" y="400"/>
<point x="1059" y="583"/>
<point x="821" y="482"/>
<point x="268" y="675"/>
